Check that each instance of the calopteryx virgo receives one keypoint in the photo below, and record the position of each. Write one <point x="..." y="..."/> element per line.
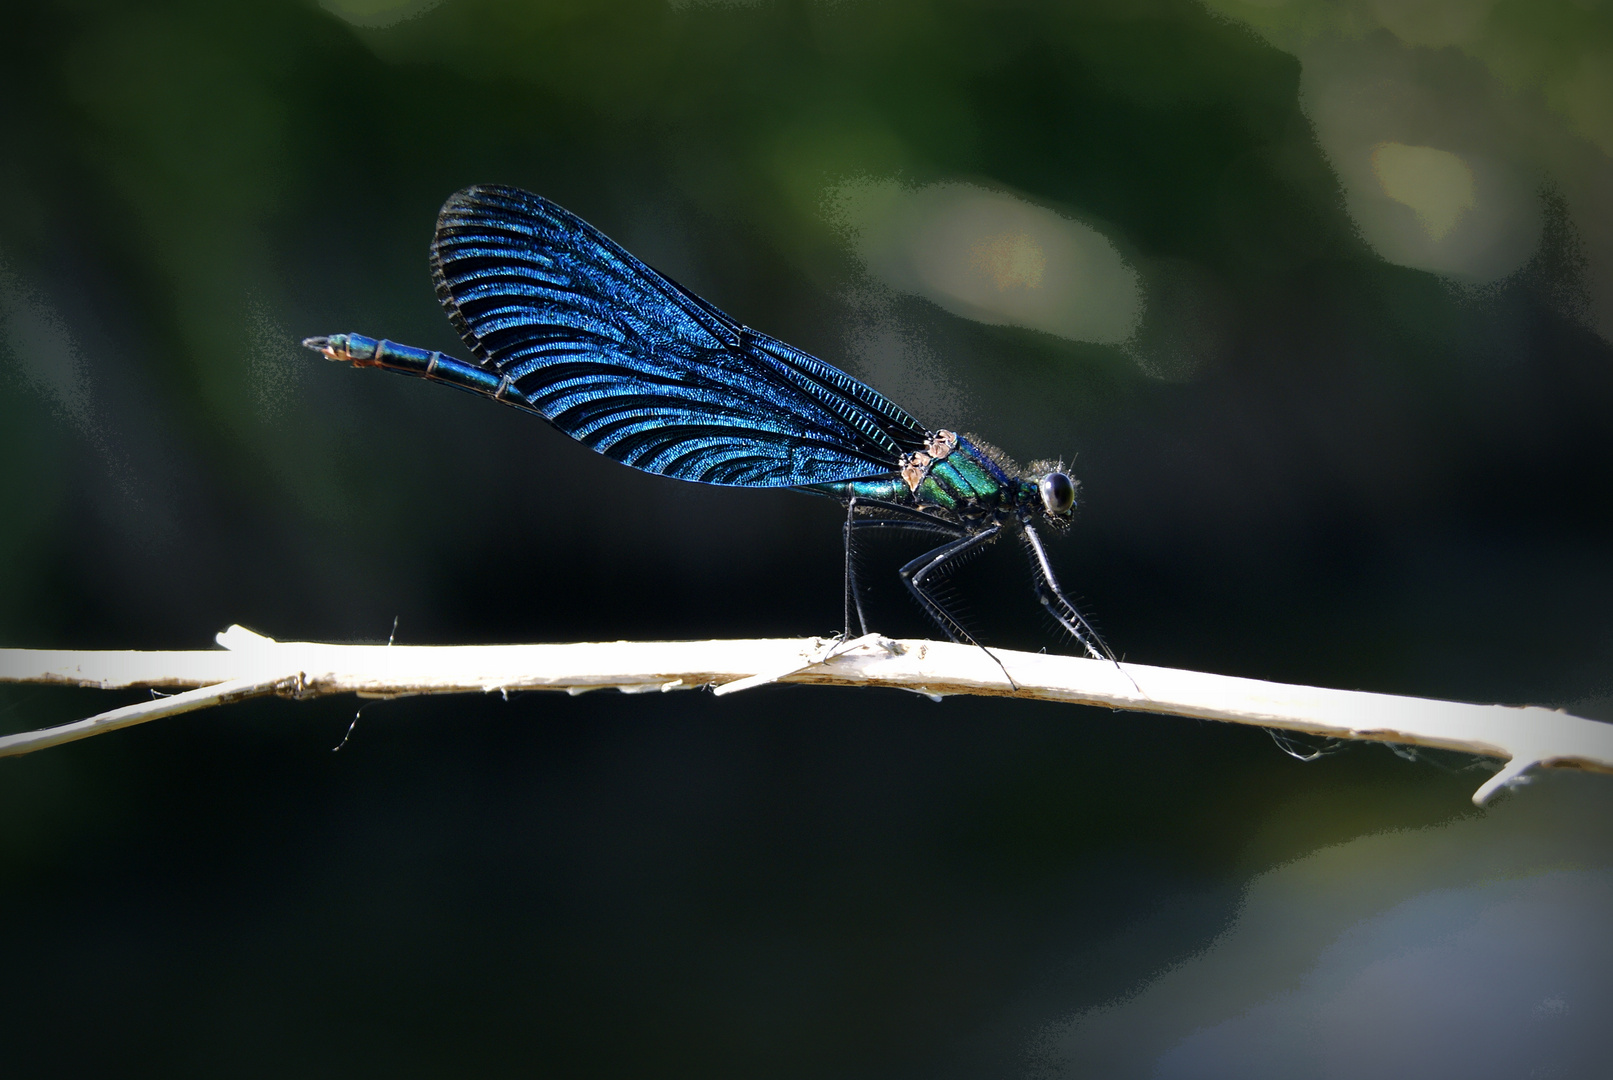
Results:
<point x="566" y="324"/>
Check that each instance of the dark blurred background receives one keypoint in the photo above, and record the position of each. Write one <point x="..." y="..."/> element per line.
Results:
<point x="1317" y="297"/>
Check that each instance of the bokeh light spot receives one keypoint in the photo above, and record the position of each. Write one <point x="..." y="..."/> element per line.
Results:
<point x="1013" y="260"/>
<point x="991" y="257"/>
<point x="1436" y="184"/>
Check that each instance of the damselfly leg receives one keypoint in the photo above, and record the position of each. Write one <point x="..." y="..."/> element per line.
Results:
<point x="1057" y="604"/>
<point x="936" y="562"/>
<point x="902" y="517"/>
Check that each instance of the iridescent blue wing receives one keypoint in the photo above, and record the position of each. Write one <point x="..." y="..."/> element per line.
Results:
<point x="635" y="366"/>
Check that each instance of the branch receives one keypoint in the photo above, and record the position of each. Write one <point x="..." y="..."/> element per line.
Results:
<point x="252" y="665"/>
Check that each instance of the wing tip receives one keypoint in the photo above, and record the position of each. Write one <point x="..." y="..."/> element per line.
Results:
<point x="460" y="209"/>
<point x="478" y="198"/>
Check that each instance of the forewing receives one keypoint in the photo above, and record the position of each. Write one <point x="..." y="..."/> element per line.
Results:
<point x="635" y="366"/>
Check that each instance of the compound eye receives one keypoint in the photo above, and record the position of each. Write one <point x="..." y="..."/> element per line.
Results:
<point x="1058" y="493"/>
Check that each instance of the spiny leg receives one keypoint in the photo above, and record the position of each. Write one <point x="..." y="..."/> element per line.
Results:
<point x="943" y="529"/>
<point x="937" y="561"/>
<point x="1054" y="600"/>
<point x="908" y="518"/>
<point x="852" y="599"/>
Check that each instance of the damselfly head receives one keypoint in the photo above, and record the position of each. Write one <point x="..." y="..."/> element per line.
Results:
<point x="1058" y="494"/>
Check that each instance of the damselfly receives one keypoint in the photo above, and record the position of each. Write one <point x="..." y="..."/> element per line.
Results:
<point x="567" y="325"/>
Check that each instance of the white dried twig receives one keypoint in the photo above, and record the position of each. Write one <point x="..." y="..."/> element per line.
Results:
<point x="252" y="665"/>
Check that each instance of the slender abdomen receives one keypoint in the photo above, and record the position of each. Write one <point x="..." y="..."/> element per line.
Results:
<point x="361" y="351"/>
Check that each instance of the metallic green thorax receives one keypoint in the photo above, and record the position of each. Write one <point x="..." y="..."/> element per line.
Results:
<point x="968" y="484"/>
